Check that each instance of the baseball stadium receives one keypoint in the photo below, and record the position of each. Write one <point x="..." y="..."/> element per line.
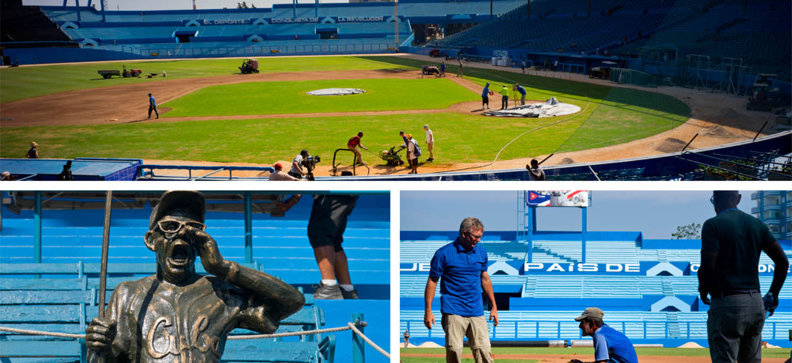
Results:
<point x="544" y="278"/>
<point x="53" y="274"/>
<point x="613" y="90"/>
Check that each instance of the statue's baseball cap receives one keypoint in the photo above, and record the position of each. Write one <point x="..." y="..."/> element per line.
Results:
<point x="595" y="313"/>
<point x="191" y="202"/>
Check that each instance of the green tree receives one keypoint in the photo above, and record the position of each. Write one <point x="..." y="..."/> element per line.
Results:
<point x="689" y="231"/>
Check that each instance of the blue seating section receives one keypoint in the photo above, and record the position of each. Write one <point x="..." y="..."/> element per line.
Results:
<point x="542" y="306"/>
<point x="60" y="293"/>
<point x="758" y="33"/>
<point x="280" y="244"/>
<point x="232" y="32"/>
<point x="355" y="28"/>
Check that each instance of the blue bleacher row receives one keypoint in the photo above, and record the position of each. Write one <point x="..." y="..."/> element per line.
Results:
<point x="408" y="9"/>
<point x="669" y="328"/>
<point x="280" y="244"/>
<point x="232" y="33"/>
<point x="587" y="287"/>
<point x="649" y="309"/>
<point x="253" y="49"/>
<point x="565" y="252"/>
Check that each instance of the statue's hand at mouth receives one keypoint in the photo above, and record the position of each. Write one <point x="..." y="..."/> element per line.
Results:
<point x="211" y="259"/>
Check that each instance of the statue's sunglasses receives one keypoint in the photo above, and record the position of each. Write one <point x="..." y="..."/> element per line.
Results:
<point x="174" y="226"/>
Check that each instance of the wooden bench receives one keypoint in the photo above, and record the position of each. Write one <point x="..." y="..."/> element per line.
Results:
<point x="108" y="73"/>
<point x="63" y="297"/>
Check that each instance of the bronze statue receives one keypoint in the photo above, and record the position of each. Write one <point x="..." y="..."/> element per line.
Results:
<point x="178" y="315"/>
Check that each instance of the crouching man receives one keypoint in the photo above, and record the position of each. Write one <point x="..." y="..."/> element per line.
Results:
<point x="178" y="315"/>
<point x="610" y="345"/>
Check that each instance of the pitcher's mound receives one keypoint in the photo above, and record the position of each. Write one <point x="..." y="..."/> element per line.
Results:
<point x="336" y="91"/>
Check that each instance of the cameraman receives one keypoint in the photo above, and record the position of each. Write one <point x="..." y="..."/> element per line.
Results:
<point x="296" y="168"/>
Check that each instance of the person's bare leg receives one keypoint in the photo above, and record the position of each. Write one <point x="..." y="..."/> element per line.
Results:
<point x="326" y="260"/>
<point x="342" y="269"/>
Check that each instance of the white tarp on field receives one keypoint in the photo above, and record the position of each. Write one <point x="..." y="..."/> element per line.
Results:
<point x="336" y="91"/>
<point x="549" y="108"/>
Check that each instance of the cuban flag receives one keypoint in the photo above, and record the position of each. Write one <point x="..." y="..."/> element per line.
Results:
<point x="557" y="198"/>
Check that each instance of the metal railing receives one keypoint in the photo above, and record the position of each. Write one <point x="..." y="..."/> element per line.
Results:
<point x="189" y="172"/>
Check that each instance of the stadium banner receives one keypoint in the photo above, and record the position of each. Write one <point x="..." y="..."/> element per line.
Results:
<point x="764" y="269"/>
<point x="225" y="21"/>
<point x="557" y="198"/>
<point x="644" y="268"/>
<point x="358" y="19"/>
<point x="293" y="20"/>
<point x="530" y="268"/>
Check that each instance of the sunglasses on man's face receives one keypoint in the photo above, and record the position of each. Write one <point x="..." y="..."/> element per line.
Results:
<point x="174" y="226"/>
<point x="475" y="236"/>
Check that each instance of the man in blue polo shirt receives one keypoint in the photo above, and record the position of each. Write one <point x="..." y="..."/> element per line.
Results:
<point x="609" y="344"/>
<point x="463" y="268"/>
<point x="522" y="92"/>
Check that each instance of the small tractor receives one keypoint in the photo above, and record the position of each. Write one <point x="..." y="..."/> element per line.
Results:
<point x="249" y="66"/>
<point x="430" y="70"/>
<point x="391" y="156"/>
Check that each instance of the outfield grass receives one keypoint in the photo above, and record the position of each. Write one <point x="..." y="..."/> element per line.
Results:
<point x="609" y="116"/>
<point x="25" y="82"/>
<point x="261" y="98"/>
<point x="459" y="137"/>
<point x="268" y="140"/>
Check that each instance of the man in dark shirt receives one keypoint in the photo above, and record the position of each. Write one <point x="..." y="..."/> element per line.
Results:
<point x="33" y="151"/>
<point x="731" y="243"/>
<point x="152" y="106"/>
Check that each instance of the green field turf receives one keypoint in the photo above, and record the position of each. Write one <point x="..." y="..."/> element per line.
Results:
<point x="464" y="360"/>
<point x="671" y="352"/>
<point x="609" y="116"/>
<point x="261" y="98"/>
<point x="25" y="82"/>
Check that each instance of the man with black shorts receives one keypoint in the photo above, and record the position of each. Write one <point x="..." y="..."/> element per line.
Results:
<point x="731" y="243"/>
<point x="326" y="233"/>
